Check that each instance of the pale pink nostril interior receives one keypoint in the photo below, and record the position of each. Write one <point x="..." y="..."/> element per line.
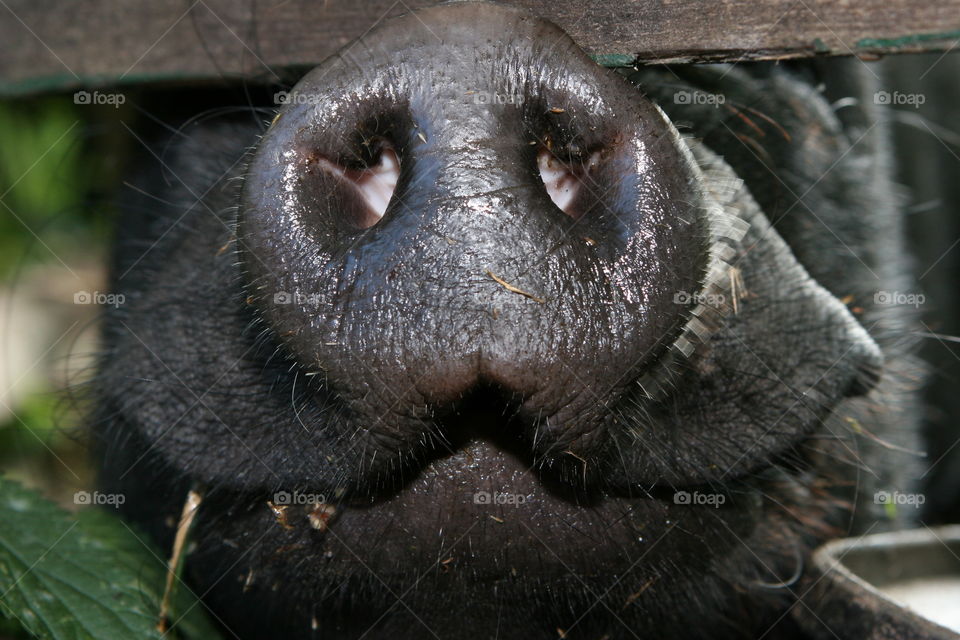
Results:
<point x="564" y="180"/>
<point x="375" y="183"/>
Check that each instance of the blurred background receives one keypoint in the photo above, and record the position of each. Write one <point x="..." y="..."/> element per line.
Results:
<point x="62" y="162"/>
<point x="55" y="172"/>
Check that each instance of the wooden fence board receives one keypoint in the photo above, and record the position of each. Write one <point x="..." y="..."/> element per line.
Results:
<point x="57" y="45"/>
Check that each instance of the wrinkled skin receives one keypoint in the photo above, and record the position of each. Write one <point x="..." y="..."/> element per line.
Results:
<point x="672" y="326"/>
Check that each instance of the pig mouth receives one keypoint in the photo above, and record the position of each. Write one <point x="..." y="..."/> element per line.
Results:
<point x="480" y="522"/>
<point x="481" y="504"/>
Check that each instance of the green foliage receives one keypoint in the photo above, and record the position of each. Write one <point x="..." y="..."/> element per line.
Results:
<point x="44" y="178"/>
<point x="84" y="577"/>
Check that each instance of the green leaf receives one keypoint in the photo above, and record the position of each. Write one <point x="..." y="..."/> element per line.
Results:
<point x="89" y="576"/>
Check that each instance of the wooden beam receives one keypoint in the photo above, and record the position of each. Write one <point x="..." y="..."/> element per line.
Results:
<point x="55" y="45"/>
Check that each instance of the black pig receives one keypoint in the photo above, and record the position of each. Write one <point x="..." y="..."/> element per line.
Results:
<point x="470" y="341"/>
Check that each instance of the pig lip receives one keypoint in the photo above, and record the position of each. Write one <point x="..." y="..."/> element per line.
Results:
<point x="486" y="508"/>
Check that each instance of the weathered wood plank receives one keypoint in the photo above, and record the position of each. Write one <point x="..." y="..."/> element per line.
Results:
<point x="56" y="45"/>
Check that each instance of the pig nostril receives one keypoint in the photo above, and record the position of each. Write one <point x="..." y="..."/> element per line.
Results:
<point x="374" y="178"/>
<point x="565" y="178"/>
